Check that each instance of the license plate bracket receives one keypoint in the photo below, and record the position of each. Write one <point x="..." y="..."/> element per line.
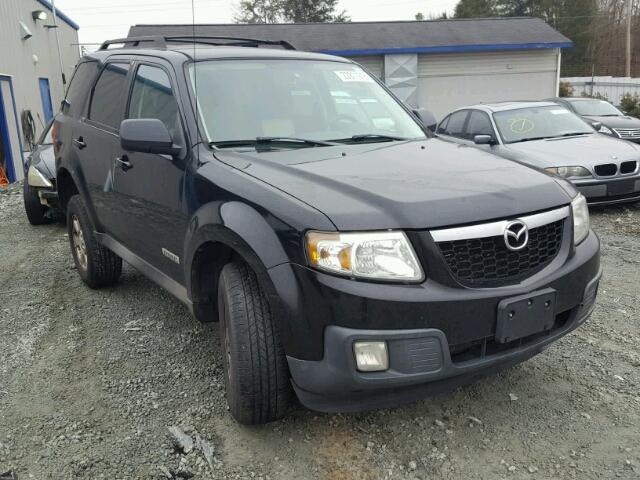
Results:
<point x="621" y="187"/>
<point x="525" y="315"/>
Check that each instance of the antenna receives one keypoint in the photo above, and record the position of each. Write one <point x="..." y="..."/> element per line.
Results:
<point x="195" y="76"/>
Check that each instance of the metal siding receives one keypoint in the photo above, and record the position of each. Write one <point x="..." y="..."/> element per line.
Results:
<point x="450" y="81"/>
<point x="522" y="61"/>
<point x="16" y="56"/>
<point x="373" y="63"/>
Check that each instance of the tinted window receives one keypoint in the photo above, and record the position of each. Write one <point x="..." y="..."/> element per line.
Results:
<point x="455" y="124"/>
<point x="152" y="97"/>
<point x="479" y="124"/>
<point x="442" y="128"/>
<point x="83" y="77"/>
<point x="108" y="95"/>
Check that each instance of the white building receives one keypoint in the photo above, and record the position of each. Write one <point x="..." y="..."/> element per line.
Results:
<point x="31" y="73"/>
<point x="439" y="65"/>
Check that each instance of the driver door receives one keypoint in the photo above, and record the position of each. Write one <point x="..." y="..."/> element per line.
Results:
<point x="150" y="187"/>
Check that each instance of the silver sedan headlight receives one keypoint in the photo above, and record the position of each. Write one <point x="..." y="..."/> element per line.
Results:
<point x="606" y="130"/>
<point x="367" y="255"/>
<point x="580" y="218"/>
<point x="569" y="172"/>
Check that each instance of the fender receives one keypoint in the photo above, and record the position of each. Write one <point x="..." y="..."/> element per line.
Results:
<point x="246" y="232"/>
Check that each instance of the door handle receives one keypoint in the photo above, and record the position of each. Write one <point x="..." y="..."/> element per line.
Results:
<point x="124" y="163"/>
<point x="79" y="142"/>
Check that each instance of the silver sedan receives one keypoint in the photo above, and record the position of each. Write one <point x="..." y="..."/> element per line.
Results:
<point x="547" y="136"/>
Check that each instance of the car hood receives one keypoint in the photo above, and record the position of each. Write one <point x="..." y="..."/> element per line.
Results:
<point x="615" y="122"/>
<point x="415" y="184"/>
<point x="584" y="150"/>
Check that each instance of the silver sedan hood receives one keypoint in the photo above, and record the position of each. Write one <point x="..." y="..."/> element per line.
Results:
<point x="584" y="150"/>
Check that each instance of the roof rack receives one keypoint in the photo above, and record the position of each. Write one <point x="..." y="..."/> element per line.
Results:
<point x="161" y="41"/>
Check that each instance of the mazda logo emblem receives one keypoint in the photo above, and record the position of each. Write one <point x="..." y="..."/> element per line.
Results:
<point x="516" y="235"/>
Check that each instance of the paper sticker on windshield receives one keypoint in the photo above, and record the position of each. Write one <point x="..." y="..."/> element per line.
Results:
<point x="559" y="111"/>
<point x="353" y="76"/>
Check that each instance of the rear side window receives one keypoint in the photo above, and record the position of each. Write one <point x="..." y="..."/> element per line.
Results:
<point x="152" y="97"/>
<point x="455" y="125"/>
<point x="83" y="77"/>
<point x="108" y="94"/>
<point x="479" y="124"/>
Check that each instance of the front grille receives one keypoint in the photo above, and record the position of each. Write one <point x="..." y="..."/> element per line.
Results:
<point x="627" y="132"/>
<point x="606" y="169"/>
<point x="487" y="262"/>
<point x="628" y="167"/>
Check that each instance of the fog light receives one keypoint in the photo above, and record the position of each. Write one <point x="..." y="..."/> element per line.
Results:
<point x="371" y="356"/>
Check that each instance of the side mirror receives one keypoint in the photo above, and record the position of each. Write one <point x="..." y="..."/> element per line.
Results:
<point x="146" y="135"/>
<point x="427" y="119"/>
<point x="597" y="126"/>
<point x="484" y="140"/>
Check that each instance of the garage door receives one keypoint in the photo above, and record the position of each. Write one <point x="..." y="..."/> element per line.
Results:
<point x="373" y="63"/>
<point x="449" y="81"/>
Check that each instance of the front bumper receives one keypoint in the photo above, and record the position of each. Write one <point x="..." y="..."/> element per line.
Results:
<point x="609" y="191"/>
<point x="421" y="363"/>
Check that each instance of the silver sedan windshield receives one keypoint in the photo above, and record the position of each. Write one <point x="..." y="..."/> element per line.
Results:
<point x="534" y="123"/>
<point x="317" y="100"/>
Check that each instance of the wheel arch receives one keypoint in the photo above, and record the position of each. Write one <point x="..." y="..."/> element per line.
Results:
<point x="66" y="187"/>
<point x="232" y="231"/>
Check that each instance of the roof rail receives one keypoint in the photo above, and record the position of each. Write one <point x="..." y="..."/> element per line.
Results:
<point x="161" y="41"/>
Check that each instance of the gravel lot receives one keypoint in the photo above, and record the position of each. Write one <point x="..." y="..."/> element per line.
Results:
<point x="91" y="382"/>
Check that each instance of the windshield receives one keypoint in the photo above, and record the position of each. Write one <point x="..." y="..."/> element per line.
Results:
<point x="46" y="140"/>
<point x="535" y="123"/>
<point x="315" y="100"/>
<point x="596" y="108"/>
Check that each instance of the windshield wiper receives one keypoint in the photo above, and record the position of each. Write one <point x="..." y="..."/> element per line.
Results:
<point x="572" y="134"/>
<point x="363" y="137"/>
<point x="270" y="141"/>
<point x="529" y="139"/>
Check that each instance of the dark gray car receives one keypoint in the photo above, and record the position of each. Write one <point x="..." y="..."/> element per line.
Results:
<point x="547" y="136"/>
<point x="613" y="121"/>
<point x="39" y="190"/>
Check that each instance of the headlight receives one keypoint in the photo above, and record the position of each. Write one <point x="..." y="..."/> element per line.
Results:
<point x="373" y="255"/>
<point x="567" y="172"/>
<point x="36" y="179"/>
<point x="580" y="218"/>
<point x="606" y="130"/>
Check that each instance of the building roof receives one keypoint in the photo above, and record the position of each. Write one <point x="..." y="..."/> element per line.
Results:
<point x="378" y="38"/>
<point x="59" y="14"/>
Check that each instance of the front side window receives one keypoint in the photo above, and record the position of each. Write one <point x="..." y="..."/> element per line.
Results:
<point x="596" y="108"/>
<point x="479" y="124"/>
<point x="455" y="125"/>
<point x="536" y="123"/>
<point x="152" y="97"/>
<point x="317" y="100"/>
<point x="108" y="95"/>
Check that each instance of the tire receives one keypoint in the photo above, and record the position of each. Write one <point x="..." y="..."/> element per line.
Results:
<point x="98" y="266"/>
<point x="36" y="212"/>
<point x="255" y="366"/>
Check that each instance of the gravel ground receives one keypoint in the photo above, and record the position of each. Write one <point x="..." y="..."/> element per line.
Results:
<point x="92" y="381"/>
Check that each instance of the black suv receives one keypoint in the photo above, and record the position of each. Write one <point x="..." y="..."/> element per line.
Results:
<point x="348" y="255"/>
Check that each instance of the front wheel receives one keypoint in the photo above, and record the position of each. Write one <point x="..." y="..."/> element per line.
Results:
<point x="255" y="366"/>
<point x="36" y="212"/>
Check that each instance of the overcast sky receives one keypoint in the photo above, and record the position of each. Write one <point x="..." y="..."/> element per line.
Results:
<point x="101" y="20"/>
